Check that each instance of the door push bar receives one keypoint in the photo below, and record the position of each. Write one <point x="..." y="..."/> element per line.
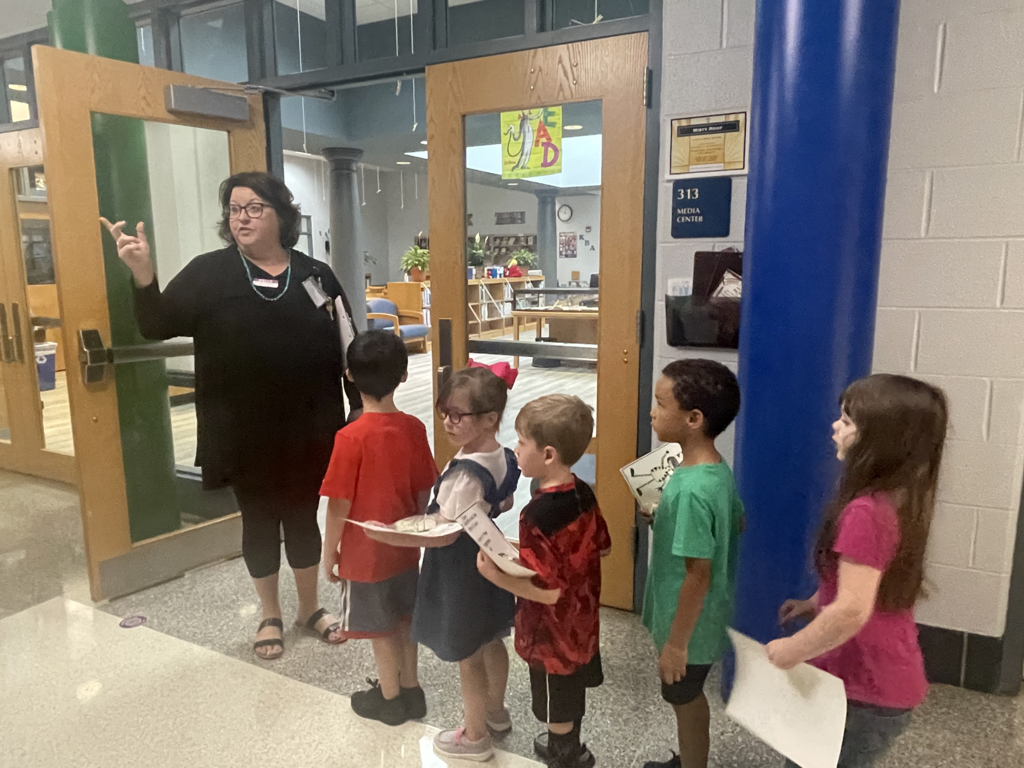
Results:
<point x="95" y="356"/>
<point x="547" y="349"/>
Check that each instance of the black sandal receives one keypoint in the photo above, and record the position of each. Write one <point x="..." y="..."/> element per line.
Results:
<point x="310" y="626"/>
<point x="275" y="641"/>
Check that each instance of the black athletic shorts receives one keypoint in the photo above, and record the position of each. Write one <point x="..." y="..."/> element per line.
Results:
<point x="689" y="688"/>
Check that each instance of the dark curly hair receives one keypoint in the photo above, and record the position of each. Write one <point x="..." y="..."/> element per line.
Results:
<point x="271" y="190"/>
<point x="708" y="387"/>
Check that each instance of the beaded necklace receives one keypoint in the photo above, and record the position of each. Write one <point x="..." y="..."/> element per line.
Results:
<point x="287" y="280"/>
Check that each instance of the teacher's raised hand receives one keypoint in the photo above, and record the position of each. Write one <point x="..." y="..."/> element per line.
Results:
<point x="133" y="251"/>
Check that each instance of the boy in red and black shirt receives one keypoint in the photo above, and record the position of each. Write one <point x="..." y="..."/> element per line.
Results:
<point x="562" y="536"/>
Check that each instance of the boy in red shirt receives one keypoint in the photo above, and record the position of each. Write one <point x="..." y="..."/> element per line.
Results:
<point x="562" y="536"/>
<point x="381" y="469"/>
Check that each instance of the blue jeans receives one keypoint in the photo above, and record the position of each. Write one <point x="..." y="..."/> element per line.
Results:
<point x="869" y="733"/>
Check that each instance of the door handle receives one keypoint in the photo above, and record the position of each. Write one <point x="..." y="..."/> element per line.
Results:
<point x="19" y="342"/>
<point x="6" y="342"/>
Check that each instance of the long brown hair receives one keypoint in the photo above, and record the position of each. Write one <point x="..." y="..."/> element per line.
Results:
<point x="901" y="428"/>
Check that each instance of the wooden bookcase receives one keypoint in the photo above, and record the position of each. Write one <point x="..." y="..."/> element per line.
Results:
<point x="489" y="302"/>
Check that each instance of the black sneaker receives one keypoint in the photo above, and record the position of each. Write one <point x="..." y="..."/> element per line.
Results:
<point x="415" y="702"/>
<point x="372" y="705"/>
<point x="675" y="762"/>
<point x="584" y="758"/>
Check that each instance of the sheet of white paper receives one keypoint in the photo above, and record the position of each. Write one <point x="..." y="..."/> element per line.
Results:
<point x="423" y="526"/>
<point x="485" y="533"/>
<point x="800" y="713"/>
<point x="647" y="475"/>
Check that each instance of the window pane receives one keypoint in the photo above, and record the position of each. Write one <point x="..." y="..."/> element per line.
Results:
<point x="17" y="89"/>
<point x="300" y="35"/>
<point x="213" y="44"/>
<point x="470" y="21"/>
<point x="572" y="12"/>
<point x="144" y="37"/>
<point x="378" y="33"/>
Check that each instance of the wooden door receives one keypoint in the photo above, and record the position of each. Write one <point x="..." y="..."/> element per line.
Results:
<point x="72" y="89"/>
<point x="611" y="73"/>
<point x="26" y="445"/>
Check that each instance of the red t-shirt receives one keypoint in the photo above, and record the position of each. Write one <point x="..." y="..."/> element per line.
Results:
<point x="381" y="463"/>
<point x="882" y="664"/>
<point x="561" y="536"/>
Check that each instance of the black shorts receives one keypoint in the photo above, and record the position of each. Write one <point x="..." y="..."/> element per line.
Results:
<point x="687" y="689"/>
<point x="563" y="698"/>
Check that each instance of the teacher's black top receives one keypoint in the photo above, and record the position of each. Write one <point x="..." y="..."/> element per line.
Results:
<point x="268" y="373"/>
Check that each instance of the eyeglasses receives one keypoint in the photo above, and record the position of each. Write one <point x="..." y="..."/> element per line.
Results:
<point x="252" y="210"/>
<point x="456" y="416"/>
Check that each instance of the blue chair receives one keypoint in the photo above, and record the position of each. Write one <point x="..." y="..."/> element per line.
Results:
<point x="384" y="315"/>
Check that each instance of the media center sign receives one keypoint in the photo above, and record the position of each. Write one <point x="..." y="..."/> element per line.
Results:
<point x="701" y="208"/>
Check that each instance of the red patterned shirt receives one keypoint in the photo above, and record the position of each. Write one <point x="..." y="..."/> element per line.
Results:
<point x="561" y="536"/>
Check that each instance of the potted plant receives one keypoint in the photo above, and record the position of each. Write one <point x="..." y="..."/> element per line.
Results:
<point x="415" y="263"/>
<point x="524" y="259"/>
<point x="475" y="255"/>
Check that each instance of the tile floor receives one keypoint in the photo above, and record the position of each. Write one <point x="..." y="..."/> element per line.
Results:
<point x="186" y="690"/>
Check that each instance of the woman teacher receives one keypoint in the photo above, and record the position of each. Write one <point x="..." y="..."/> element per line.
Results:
<point x="269" y="379"/>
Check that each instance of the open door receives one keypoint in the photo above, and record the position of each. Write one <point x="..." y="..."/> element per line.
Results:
<point x="158" y="144"/>
<point x="35" y="427"/>
<point x="560" y="132"/>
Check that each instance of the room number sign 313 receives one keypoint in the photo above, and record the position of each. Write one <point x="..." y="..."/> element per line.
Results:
<point x="701" y="208"/>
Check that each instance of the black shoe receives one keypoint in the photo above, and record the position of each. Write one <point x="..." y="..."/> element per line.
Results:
<point x="415" y="702"/>
<point x="675" y="762"/>
<point x="372" y="705"/>
<point x="583" y="758"/>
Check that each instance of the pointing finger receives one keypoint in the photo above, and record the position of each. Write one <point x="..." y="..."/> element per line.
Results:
<point x="140" y="231"/>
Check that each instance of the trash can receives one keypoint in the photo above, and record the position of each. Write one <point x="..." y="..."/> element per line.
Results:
<point x="46" y="365"/>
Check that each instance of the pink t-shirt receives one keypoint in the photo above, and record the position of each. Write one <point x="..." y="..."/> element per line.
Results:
<point x="882" y="664"/>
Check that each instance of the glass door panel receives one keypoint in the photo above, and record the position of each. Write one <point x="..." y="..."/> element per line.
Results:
<point x="49" y="369"/>
<point x="533" y="216"/>
<point x="176" y="195"/>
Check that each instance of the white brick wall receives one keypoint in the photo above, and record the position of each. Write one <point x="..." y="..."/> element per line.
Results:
<point x="951" y="288"/>
<point x="707" y="60"/>
<point x="951" y="294"/>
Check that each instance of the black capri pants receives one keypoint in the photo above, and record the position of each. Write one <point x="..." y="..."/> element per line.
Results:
<point x="267" y="509"/>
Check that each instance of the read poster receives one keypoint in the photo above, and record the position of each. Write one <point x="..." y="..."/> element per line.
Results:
<point x="531" y="143"/>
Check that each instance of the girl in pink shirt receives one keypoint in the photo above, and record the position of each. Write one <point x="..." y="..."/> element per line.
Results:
<point x="870" y="560"/>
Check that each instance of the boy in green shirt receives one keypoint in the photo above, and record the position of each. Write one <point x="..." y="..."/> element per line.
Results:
<point x="692" y="575"/>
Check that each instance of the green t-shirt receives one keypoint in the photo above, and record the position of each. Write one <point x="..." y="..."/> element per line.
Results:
<point x="699" y="517"/>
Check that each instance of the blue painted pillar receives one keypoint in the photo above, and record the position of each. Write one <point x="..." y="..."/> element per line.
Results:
<point x="820" y="116"/>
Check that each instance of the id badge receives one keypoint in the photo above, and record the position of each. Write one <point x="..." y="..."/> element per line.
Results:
<point x="316" y="293"/>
